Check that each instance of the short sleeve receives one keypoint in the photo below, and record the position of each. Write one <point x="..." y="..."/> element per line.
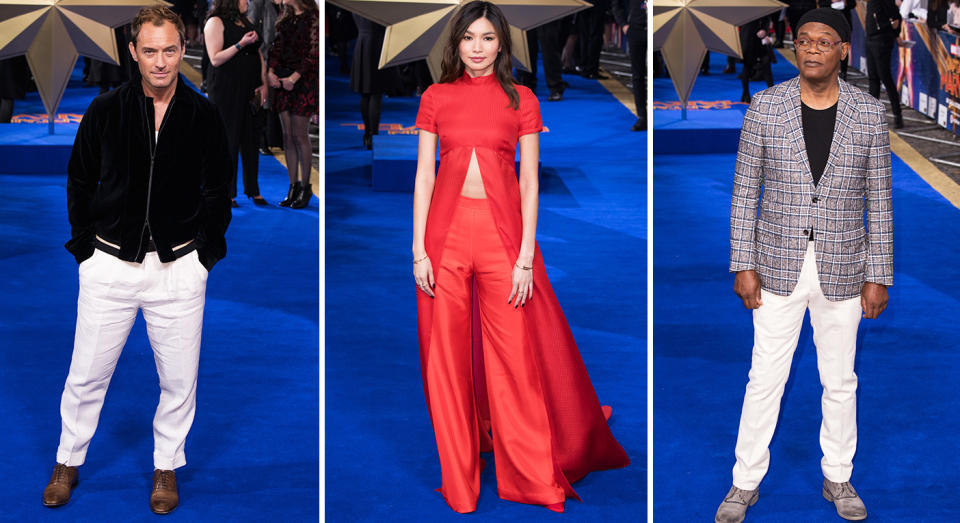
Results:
<point x="427" y="115"/>
<point x="530" y="121"/>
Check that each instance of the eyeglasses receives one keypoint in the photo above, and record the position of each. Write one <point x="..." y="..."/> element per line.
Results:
<point x="823" y="45"/>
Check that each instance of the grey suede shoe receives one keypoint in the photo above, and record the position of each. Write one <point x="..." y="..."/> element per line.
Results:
<point x="849" y="505"/>
<point x="734" y="506"/>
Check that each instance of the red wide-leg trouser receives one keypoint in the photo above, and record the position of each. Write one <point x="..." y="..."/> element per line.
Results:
<point x="521" y="431"/>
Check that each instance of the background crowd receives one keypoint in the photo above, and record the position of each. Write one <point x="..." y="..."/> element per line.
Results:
<point x="570" y="45"/>
<point x="259" y="63"/>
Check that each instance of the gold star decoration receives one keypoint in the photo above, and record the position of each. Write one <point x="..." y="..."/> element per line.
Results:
<point x="684" y="30"/>
<point x="52" y="33"/>
<point x="416" y="29"/>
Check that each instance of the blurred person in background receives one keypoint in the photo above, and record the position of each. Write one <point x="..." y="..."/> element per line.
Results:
<point x="844" y="6"/>
<point x="14" y="79"/>
<point x="796" y="9"/>
<point x="107" y="75"/>
<point x="757" y="45"/>
<point x="634" y="25"/>
<point x="237" y="87"/>
<point x="883" y="27"/>
<point x="293" y="72"/>
<point x="263" y="14"/>
<point x="340" y="31"/>
<point x="590" y="27"/>
<point x="191" y="12"/>
<point x="367" y="79"/>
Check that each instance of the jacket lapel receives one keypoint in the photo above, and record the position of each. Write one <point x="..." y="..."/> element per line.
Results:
<point x="794" y="122"/>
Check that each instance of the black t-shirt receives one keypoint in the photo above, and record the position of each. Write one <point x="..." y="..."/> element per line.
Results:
<point x="818" y="127"/>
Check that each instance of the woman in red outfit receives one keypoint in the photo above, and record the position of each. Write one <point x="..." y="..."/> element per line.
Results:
<point x="293" y="67"/>
<point x="475" y="261"/>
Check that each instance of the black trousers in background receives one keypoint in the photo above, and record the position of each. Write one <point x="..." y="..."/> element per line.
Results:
<point x="6" y="110"/>
<point x="637" y="40"/>
<point x="879" y="49"/>
<point x="590" y="27"/>
<point x="552" y="37"/>
<point x="793" y="17"/>
<point x="370" y="106"/>
<point x="529" y="79"/>
<point x="242" y="141"/>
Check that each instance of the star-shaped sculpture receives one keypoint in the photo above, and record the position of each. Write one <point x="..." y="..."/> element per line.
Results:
<point x="52" y="33"/>
<point x="683" y="31"/>
<point x="416" y="29"/>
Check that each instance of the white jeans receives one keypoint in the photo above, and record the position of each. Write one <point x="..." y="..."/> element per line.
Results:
<point x="776" y="326"/>
<point x="171" y="296"/>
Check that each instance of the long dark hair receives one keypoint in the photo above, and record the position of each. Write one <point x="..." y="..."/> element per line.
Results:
<point x="227" y="11"/>
<point x="452" y="67"/>
<point x="307" y="5"/>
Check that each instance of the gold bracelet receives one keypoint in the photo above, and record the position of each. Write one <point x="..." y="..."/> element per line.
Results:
<point x="522" y="267"/>
<point x="420" y="260"/>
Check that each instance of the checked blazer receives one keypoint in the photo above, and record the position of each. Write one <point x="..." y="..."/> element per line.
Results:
<point x="775" y="202"/>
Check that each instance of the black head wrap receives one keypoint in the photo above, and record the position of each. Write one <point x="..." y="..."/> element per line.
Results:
<point x="827" y="16"/>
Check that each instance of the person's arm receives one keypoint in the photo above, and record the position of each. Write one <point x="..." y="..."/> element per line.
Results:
<point x="422" y="195"/>
<point x="879" y="222"/>
<point x="747" y="180"/>
<point x="213" y="39"/>
<point x="529" y="196"/>
<point x="619" y="13"/>
<point x="261" y="90"/>
<point x="530" y="126"/>
<point x="215" y="211"/>
<point x="83" y="176"/>
<point x="311" y="59"/>
<point x="423" y="189"/>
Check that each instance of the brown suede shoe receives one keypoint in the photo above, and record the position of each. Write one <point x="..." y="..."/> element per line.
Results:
<point x="62" y="481"/>
<point x="164" y="498"/>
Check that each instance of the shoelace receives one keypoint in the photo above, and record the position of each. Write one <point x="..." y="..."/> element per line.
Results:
<point x="845" y="491"/>
<point x="59" y="471"/>
<point x="162" y="484"/>
<point x="737" y="493"/>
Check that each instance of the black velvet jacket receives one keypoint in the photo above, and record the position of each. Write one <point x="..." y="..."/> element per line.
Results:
<point x="124" y="186"/>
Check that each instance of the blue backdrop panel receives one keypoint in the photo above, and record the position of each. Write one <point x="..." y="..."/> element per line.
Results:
<point x="30" y="149"/>
<point x="381" y="458"/>
<point x="714" y="126"/>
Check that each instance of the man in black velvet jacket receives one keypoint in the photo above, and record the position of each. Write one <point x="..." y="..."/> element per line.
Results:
<point x="148" y="206"/>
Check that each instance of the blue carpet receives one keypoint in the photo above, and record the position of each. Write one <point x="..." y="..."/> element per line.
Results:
<point x="905" y="467"/>
<point x="381" y="458"/>
<point x="252" y="453"/>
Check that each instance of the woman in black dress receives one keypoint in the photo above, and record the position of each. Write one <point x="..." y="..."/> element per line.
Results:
<point x="236" y="87"/>
<point x="294" y="72"/>
<point x="367" y="78"/>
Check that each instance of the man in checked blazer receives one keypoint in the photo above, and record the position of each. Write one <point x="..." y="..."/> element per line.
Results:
<point x="810" y="227"/>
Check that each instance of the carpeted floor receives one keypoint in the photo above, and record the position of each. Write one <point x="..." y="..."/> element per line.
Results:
<point x="381" y="458"/>
<point x="905" y="463"/>
<point x="252" y="453"/>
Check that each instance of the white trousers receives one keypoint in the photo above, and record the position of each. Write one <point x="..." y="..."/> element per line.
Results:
<point x="171" y="296"/>
<point x="776" y="326"/>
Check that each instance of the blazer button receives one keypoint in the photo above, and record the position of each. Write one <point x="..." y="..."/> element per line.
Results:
<point x="815" y="199"/>
<point x="806" y="232"/>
